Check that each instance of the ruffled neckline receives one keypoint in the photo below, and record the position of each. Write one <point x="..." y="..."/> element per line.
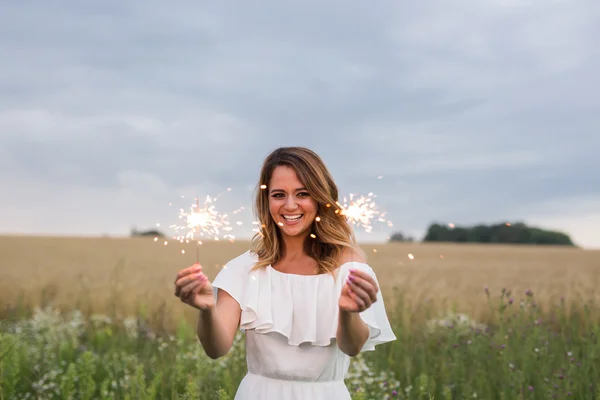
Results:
<point x="303" y="308"/>
<point x="339" y="270"/>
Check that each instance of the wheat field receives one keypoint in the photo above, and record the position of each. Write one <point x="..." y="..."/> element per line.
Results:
<point x="125" y="335"/>
<point x="96" y="274"/>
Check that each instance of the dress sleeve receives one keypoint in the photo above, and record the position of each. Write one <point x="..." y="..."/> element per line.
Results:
<point x="232" y="278"/>
<point x="380" y="330"/>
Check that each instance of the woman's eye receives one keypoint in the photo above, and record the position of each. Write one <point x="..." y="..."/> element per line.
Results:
<point x="279" y="195"/>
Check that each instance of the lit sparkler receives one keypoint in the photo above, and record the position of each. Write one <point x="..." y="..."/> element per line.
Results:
<point x="362" y="211"/>
<point x="205" y="220"/>
<point x="202" y="221"/>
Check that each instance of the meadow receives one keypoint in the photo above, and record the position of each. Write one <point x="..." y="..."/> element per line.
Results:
<point x="97" y="318"/>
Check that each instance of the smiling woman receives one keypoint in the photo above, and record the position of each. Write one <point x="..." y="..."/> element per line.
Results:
<point x="299" y="215"/>
<point x="293" y="209"/>
<point x="304" y="295"/>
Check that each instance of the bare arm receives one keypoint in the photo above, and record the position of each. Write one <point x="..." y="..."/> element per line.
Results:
<point x="218" y="324"/>
<point x="358" y="293"/>
<point x="218" y="320"/>
<point x="352" y="333"/>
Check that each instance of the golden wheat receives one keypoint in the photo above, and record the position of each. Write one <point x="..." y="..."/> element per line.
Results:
<point x="99" y="273"/>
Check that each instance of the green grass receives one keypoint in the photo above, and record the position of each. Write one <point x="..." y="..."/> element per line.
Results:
<point x="521" y="352"/>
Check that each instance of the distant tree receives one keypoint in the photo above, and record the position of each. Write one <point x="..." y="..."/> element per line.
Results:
<point x="497" y="233"/>
<point x="436" y="233"/>
<point x="399" y="237"/>
<point x="151" y="232"/>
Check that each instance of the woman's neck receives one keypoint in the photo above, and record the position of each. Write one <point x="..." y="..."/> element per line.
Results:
<point x="293" y="247"/>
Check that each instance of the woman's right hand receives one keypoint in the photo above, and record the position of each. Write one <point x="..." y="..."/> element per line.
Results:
<point x="193" y="288"/>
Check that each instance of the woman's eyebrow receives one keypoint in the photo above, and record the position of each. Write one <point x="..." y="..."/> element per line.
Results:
<point x="281" y="190"/>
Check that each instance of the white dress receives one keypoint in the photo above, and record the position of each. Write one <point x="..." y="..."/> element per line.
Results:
<point x="290" y="323"/>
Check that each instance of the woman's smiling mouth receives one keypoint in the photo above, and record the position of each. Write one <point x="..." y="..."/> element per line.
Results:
<point x="292" y="218"/>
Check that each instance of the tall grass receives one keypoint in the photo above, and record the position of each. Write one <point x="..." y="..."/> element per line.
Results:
<point x="89" y="273"/>
<point x="520" y="352"/>
<point x="73" y="327"/>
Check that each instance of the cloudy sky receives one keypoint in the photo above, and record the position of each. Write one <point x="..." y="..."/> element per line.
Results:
<point x="472" y="111"/>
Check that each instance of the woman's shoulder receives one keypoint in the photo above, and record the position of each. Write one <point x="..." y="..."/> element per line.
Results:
<point x="234" y="273"/>
<point x="352" y="255"/>
<point x="244" y="261"/>
<point x="353" y="258"/>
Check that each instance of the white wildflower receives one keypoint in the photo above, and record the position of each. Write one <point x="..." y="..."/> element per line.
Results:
<point x="459" y="322"/>
<point x="131" y="327"/>
<point x="99" y="320"/>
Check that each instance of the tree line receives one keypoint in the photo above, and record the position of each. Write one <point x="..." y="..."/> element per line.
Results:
<point x="513" y="233"/>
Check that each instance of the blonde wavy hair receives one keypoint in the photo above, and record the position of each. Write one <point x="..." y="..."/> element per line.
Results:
<point x="330" y="234"/>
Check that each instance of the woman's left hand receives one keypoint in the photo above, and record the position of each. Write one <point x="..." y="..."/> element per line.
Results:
<point x="359" y="292"/>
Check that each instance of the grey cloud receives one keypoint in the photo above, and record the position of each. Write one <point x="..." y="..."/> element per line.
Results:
<point x="470" y="110"/>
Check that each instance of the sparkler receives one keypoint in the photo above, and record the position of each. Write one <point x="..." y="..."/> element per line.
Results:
<point x="202" y="221"/>
<point x="362" y="211"/>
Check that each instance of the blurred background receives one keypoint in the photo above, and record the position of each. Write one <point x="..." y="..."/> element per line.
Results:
<point x="471" y="127"/>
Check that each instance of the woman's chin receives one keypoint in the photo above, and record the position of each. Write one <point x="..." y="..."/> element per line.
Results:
<point x="294" y="231"/>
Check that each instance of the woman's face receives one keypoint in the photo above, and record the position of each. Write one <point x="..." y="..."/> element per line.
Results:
<point x="291" y="206"/>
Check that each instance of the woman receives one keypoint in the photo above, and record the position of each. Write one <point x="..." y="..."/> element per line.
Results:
<point x="304" y="295"/>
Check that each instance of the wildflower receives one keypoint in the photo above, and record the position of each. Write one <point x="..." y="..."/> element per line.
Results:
<point x="394" y="393"/>
<point x="531" y="388"/>
<point x="528" y="293"/>
<point x="487" y="290"/>
<point x="511" y="300"/>
<point x="461" y="322"/>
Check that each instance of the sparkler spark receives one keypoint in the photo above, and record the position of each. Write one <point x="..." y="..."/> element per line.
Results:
<point x="362" y="211"/>
<point x="202" y="221"/>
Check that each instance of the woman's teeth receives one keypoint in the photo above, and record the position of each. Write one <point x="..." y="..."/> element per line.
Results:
<point x="292" y="217"/>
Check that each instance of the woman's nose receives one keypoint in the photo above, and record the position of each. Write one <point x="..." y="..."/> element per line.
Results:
<point x="290" y="203"/>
